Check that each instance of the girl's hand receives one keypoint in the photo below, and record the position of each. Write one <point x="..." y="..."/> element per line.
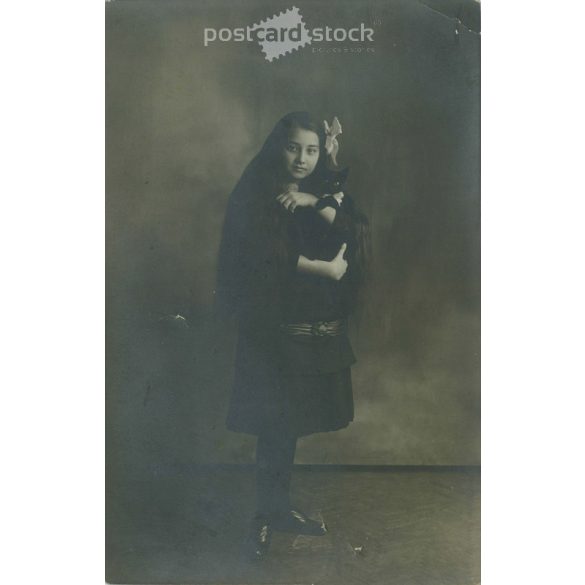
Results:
<point x="293" y="199"/>
<point x="338" y="266"/>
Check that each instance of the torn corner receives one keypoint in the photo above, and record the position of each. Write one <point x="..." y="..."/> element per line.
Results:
<point x="463" y="13"/>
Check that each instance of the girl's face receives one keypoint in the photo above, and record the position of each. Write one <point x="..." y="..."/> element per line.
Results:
<point x="301" y="153"/>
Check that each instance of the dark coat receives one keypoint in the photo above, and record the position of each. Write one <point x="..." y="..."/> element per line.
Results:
<point x="299" y="383"/>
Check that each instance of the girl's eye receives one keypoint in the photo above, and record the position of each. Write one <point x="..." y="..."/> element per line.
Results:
<point x="291" y="148"/>
<point x="312" y="152"/>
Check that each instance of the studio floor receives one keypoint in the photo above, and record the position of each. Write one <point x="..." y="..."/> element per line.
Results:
<point x="402" y="526"/>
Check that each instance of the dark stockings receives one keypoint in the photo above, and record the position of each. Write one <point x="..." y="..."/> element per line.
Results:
<point x="275" y="453"/>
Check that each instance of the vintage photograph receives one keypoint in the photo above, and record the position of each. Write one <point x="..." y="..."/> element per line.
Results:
<point x="293" y="292"/>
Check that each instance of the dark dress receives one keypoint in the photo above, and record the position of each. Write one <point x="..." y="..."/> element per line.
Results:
<point x="298" y="384"/>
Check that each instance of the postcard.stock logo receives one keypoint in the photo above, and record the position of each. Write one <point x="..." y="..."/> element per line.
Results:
<point x="286" y="32"/>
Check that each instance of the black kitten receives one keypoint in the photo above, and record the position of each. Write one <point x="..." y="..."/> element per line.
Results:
<point x="333" y="181"/>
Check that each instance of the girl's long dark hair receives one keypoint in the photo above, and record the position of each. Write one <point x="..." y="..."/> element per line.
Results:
<point x="253" y="216"/>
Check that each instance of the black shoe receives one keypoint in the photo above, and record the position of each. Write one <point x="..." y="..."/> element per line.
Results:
<point x="298" y="523"/>
<point x="259" y="537"/>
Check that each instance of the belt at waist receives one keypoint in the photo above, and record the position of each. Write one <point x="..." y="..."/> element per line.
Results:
<point x="318" y="329"/>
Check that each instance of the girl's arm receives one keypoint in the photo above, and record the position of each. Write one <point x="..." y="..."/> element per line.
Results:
<point x="328" y="214"/>
<point x="293" y="199"/>
<point x="335" y="269"/>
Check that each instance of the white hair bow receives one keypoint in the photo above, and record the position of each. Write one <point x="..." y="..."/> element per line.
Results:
<point x="331" y="133"/>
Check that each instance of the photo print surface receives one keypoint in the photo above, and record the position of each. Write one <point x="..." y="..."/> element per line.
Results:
<point x="293" y="291"/>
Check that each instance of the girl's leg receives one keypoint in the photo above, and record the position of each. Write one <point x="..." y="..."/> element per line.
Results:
<point x="275" y="452"/>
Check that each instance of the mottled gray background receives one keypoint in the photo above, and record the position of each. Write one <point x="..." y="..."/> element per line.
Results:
<point x="182" y="121"/>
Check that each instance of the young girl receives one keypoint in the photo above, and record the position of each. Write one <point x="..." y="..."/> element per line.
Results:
<point x="290" y="264"/>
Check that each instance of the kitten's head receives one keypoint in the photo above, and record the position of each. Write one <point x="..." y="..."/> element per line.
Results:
<point x="334" y="181"/>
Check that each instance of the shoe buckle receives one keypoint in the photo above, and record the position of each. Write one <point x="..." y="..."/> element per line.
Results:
<point x="298" y="516"/>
